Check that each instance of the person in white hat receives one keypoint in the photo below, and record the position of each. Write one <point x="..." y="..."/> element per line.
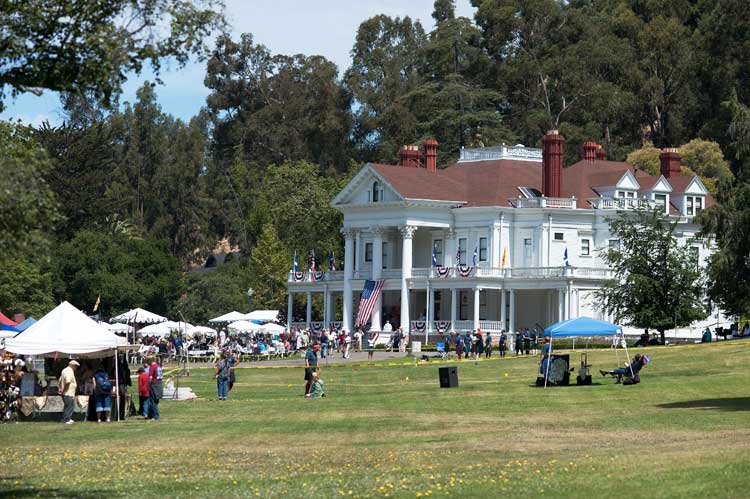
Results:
<point x="67" y="386"/>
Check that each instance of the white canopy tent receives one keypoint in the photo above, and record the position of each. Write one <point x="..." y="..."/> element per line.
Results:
<point x="139" y="316"/>
<point x="272" y="328"/>
<point x="164" y="328"/>
<point x="262" y="315"/>
<point x="65" y="331"/>
<point x="118" y="327"/>
<point x="200" y="331"/>
<point x="233" y="316"/>
<point x="243" y="327"/>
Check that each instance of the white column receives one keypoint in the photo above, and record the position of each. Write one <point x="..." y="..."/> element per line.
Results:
<point x="429" y="307"/>
<point x="503" y="316"/>
<point x="449" y="247"/>
<point x="495" y="255"/>
<point x="289" y="307"/>
<point x="476" y="307"/>
<point x="326" y="306"/>
<point x="569" y="302"/>
<point x="348" y="272"/>
<point x="360" y="252"/>
<point x="512" y="325"/>
<point x="560" y="305"/>
<point x="308" y="313"/>
<point x="578" y="302"/>
<point x="454" y="299"/>
<point x="407" y="232"/>
<point x="377" y="271"/>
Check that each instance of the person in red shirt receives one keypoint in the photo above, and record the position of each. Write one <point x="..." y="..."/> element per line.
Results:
<point x="143" y="391"/>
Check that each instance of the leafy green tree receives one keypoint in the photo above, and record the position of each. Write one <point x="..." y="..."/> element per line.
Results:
<point x="706" y="159"/>
<point x="657" y="281"/>
<point x="269" y="270"/>
<point x="295" y="200"/>
<point x="24" y="288"/>
<point x="452" y="105"/>
<point x="727" y="223"/>
<point x="387" y="58"/>
<point x="28" y="208"/>
<point x="279" y="108"/>
<point x="125" y="272"/>
<point x="699" y="157"/>
<point x="91" y="46"/>
<point x="210" y="293"/>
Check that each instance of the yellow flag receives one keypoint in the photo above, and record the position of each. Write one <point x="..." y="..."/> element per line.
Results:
<point x="505" y="255"/>
<point x="96" y="305"/>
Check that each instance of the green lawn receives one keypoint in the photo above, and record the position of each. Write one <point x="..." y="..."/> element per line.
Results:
<point x="390" y="431"/>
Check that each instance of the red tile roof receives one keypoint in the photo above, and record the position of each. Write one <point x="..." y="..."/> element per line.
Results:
<point x="494" y="182"/>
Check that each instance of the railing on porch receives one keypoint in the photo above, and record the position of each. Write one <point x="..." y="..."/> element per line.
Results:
<point x="607" y="203"/>
<point x="544" y="202"/>
<point x="450" y="272"/>
<point x="299" y="325"/>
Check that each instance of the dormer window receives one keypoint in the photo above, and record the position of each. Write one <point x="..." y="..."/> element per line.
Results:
<point x="626" y="194"/>
<point x="693" y="205"/>
<point x="660" y="200"/>
<point x="377" y="192"/>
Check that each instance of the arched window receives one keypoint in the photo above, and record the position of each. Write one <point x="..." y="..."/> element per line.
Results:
<point x="375" y="192"/>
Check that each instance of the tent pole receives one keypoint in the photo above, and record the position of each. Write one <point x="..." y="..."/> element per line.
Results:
<point x="630" y="364"/>
<point x="117" y="384"/>
<point x="549" y="358"/>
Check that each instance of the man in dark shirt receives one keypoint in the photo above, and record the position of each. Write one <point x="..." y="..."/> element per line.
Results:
<point x="311" y="365"/>
<point x="503" y="343"/>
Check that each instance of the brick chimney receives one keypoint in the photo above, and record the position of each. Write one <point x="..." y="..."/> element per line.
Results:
<point x="670" y="162"/>
<point x="601" y="153"/>
<point x="589" y="151"/>
<point x="403" y="155"/>
<point x="430" y="154"/>
<point x="552" y="163"/>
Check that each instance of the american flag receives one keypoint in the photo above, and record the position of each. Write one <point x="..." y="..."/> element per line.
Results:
<point x="331" y="263"/>
<point x="367" y="300"/>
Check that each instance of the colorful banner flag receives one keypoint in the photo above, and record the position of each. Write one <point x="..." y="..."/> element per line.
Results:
<point x="504" y="259"/>
<point x="295" y="267"/>
<point x="475" y="256"/>
<point x="331" y="263"/>
<point x="434" y="257"/>
<point x="98" y="301"/>
<point x="367" y="301"/>
<point x="565" y="257"/>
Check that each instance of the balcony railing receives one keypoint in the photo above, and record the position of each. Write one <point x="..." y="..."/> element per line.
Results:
<point x="468" y="272"/>
<point x="544" y="202"/>
<point x="607" y="203"/>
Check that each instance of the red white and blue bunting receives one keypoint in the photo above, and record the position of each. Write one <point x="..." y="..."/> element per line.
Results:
<point x="442" y="326"/>
<point x="316" y="275"/>
<point x="299" y="276"/>
<point x="442" y="272"/>
<point x="315" y="327"/>
<point x="420" y="326"/>
<point x="464" y="270"/>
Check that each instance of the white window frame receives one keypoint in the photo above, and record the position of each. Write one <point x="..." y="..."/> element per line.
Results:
<point x="437" y="244"/>
<point x="385" y="254"/>
<point x="658" y="195"/>
<point x="368" y="252"/>
<point x="482" y="249"/>
<point x="587" y="247"/>
<point x="463" y="242"/>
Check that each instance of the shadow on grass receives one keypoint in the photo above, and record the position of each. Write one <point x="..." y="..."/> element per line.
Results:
<point x="724" y="404"/>
<point x="571" y="385"/>
<point x="9" y="489"/>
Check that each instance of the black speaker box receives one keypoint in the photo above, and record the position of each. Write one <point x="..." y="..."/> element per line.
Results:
<point x="448" y="377"/>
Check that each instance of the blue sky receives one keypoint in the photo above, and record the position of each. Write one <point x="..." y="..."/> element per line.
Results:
<point x="326" y="28"/>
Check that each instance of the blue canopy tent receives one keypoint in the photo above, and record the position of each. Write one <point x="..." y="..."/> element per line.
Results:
<point x="26" y="324"/>
<point x="582" y="326"/>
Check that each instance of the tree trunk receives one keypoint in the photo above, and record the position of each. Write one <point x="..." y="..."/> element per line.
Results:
<point x="662" y="335"/>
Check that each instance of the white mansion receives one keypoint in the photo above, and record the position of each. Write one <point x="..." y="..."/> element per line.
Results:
<point x="536" y="229"/>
